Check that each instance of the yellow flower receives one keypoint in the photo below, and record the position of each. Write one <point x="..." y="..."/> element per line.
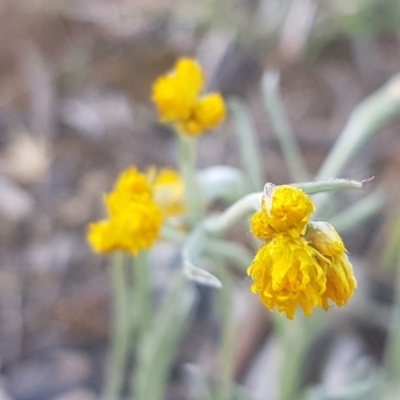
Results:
<point x="189" y="73"/>
<point x="285" y="210"/>
<point x="288" y="273"/>
<point x="341" y="282"/>
<point x="132" y="183"/>
<point x="136" y="228"/>
<point x="178" y="100"/>
<point x="302" y="263"/>
<point x="131" y="186"/>
<point x="137" y="208"/>
<point x="134" y="220"/>
<point x="176" y="93"/>
<point x="208" y="112"/>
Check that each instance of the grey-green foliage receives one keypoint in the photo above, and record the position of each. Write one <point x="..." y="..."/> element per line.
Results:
<point x="353" y="19"/>
<point x="158" y="347"/>
<point x="365" y="382"/>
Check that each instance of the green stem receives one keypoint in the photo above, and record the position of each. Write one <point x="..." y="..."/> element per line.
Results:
<point x="366" y="119"/>
<point x="370" y="115"/>
<point x="358" y="212"/>
<point x="234" y="252"/>
<point x="143" y="293"/>
<point x="392" y="359"/>
<point x="331" y="185"/>
<point x="281" y="126"/>
<point x="292" y="343"/>
<point x="241" y="209"/>
<point x="156" y="350"/>
<point x="251" y="203"/>
<point x="248" y="143"/>
<point x="294" y="338"/>
<point x="142" y="299"/>
<point x="389" y="256"/>
<point x="119" y="338"/>
<point x="191" y="254"/>
<point x="187" y="165"/>
<point x="227" y="353"/>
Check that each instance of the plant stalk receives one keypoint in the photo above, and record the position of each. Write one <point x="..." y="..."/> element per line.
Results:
<point x="187" y="166"/>
<point x="120" y="333"/>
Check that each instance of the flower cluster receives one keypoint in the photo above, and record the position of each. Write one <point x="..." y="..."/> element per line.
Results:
<point x="178" y="98"/>
<point x="301" y="263"/>
<point x="136" y="210"/>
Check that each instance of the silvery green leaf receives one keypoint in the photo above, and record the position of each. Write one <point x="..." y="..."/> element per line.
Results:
<point x="201" y="276"/>
<point x="223" y="182"/>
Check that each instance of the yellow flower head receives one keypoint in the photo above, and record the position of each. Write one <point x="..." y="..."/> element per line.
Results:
<point x="169" y="191"/>
<point x="285" y="210"/>
<point x="341" y="282"/>
<point x="208" y="112"/>
<point x="302" y="263"/>
<point x="176" y="93"/>
<point x="134" y="220"/>
<point x="288" y="273"/>
<point x="136" y="228"/>
<point x="178" y="100"/>
<point x="130" y="186"/>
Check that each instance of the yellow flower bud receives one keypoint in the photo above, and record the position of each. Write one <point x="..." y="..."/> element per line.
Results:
<point x="285" y="209"/>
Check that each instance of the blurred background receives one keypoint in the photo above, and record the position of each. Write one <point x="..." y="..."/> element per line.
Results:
<point x="75" y="108"/>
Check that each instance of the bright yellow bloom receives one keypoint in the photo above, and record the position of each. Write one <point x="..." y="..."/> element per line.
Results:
<point x="176" y="93"/>
<point x="178" y="100"/>
<point x="208" y="112"/>
<point x="189" y="73"/>
<point x="302" y="263"/>
<point x="135" y="219"/>
<point x="288" y="273"/>
<point x="136" y="228"/>
<point x="137" y="207"/>
<point x="285" y="210"/>
<point x="131" y="186"/>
